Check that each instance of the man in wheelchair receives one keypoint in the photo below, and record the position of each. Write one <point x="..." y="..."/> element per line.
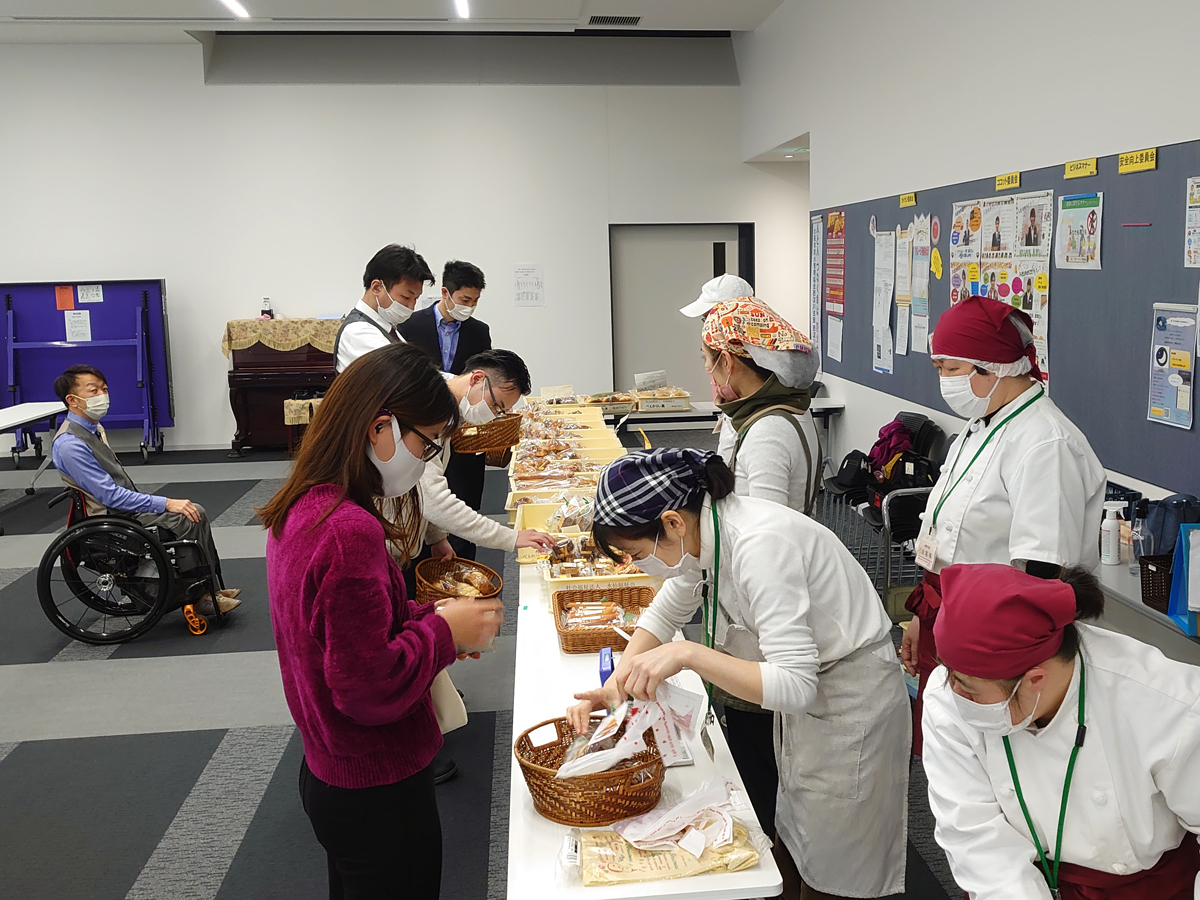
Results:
<point x="86" y="462"/>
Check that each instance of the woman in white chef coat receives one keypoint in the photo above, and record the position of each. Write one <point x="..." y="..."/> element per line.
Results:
<point x="1020" y="486"/>
<point x="793" y="624"/>
<point x="1063" y="759"/>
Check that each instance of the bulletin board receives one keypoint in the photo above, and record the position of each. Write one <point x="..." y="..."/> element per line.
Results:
<point x="1100" y="322"/>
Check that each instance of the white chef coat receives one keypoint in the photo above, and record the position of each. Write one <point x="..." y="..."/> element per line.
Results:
<point x="360" y="338"/>
<point x="1136" y="789"/>
<point x="446" y="514"/>
<point x="792" y="597"/>
<point x="1035" y="493"/>
<point x="771" y="463"/>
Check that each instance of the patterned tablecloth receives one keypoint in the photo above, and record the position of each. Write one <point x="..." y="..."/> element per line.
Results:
<point x="299" y="412"/>
<point x="280" y="334"/>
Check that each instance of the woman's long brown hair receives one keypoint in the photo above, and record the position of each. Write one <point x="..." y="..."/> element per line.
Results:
<point x="400" y="378"/>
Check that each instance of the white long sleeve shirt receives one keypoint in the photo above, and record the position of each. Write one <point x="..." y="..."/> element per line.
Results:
<point x="1136" y="788"/>
<point x="792" y="597"/>
<point x="771" y="463"/>
<point x="446" y="514"/>
<point x="1036" y="492"/>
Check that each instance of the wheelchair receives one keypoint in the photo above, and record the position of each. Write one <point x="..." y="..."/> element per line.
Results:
<point x="108" y="579"/>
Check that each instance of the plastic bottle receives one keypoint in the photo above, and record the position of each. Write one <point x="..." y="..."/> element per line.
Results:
<point x="1141" y="540"/>
<point x="1110" y="538"/>
<point x="266" y="308"/>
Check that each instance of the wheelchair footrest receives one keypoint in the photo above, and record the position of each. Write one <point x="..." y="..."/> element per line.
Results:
<point x="197" y="624"/>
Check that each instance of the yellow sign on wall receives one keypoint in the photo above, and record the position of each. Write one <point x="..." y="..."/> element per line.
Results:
<point x="1080" y="168"/>
<point x="908" y="200"/>
<point x="1137" y="161"/>
<point x="1006" y="182"/>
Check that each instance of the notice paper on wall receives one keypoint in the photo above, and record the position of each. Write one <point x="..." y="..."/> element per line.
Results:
<point x="1080" y="218"/>
<point x="1172" y="364"/>
<point x="835" y="263"/>
<point x="1191" y="226"/>
<point x="90" y="293"/>
<point x="529" y="288"/>
<point x="833" y="336"/>
<point x="881" y="311"/>
<point x="903" y="267"/>
<point x="79" y="325"/>
<point x="921" y="255"/>
<point x="902" y="317"/>
<point x="816" y="233"/>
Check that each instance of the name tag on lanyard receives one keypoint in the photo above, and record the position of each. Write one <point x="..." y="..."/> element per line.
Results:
<point x="927" y="550"/>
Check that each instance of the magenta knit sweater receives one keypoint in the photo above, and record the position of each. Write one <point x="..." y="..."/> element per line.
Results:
<point x="357" y="657"/>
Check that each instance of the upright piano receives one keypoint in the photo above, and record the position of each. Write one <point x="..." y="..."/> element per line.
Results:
<point x="263" y="377"/>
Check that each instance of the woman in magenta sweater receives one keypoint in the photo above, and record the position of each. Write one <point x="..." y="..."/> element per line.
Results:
<point x="357" y="656"/>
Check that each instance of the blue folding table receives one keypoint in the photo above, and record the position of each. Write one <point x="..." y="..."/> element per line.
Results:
<point x="120" y="327"/>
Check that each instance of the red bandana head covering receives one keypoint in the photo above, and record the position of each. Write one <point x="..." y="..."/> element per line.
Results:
<point x="981" y="329"/>
<point x="998" y="622"/>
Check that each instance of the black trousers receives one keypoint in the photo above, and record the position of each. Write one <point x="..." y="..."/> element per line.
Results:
<point x="751" y="738"/>
<point x="381" y="843"/>
<point x="464" y="475"/>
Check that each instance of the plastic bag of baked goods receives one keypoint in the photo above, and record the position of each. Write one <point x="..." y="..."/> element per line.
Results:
<point x="607" y="858"/>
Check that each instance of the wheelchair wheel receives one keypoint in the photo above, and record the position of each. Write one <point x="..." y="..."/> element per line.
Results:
<point x="103" y="582"/>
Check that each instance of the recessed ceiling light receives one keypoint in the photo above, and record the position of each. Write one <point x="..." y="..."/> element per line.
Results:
<point x="462" y="8"/>
<point x="236" y="8"/>
<point x="787" y="156"/>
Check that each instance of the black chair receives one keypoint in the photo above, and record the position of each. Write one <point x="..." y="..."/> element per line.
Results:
<point x="108" y="579"/>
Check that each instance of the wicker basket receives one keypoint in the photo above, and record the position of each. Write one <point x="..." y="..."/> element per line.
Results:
<point x="498" y="458"/>
<point x="1156" y="580"/>
<point x="430" y="571"/>
<point x="594" y="638"/>
<point x="588" y="801"/>
<point x="497" y="434"/>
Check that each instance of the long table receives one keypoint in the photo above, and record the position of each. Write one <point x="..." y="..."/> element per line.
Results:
<point x="704" y="412"/>
<point x="546" y="679"/>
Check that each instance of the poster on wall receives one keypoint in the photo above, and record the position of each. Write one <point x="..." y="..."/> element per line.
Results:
<point x="816" y="233"/>
<point x="1080" y="218"/>
<point x="1031" y="290"/>
<point x="964" y="280"/>
<point x="965" y="220"/>
<point x="1172" y="364"/>
<point x="881" y="310"/>
<point x="835" y="263"/>
<point x="529" y="287"/>
<point x="1034" y="223"/>
<point x="903" y="267"/>
<point x="998" y="229"/>
<point x="1191" y="227"/>
<point x="921" y="249"/>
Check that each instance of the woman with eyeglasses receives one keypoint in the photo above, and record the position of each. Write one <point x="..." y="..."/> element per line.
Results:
<point x="356" y="655"/>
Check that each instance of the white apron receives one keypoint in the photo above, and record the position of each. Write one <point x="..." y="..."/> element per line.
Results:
<point x="843" y="777"/>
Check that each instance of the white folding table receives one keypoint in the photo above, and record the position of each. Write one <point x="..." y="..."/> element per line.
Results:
<point x="545" y="680"/>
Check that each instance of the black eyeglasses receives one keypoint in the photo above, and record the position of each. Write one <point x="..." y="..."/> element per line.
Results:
<point x="433" y="449"/>
<point x="497" y="407"/>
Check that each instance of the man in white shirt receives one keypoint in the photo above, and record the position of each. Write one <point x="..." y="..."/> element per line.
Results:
<point x="392" y="282"/>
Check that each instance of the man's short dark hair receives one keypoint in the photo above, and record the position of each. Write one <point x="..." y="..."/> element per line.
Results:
<point x="65" y="383"/>
<point x="504" y="367"/>
<point x="457" y="275"/>
<point x="394" y="264"/>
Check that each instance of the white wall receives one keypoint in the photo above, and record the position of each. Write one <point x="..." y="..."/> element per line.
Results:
<point x="900" y="97"/>
<point x="119" y="162"/>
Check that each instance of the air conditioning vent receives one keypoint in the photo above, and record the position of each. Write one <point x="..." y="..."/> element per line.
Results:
<point x="614" y="20"/>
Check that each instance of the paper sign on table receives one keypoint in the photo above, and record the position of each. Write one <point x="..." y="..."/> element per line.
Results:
<point x="650" y="381"/>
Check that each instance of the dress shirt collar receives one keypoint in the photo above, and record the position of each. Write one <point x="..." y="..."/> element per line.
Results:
<point x="444" y="321"/>
<point x="371" y="314"/>
<point x="93" y="427"/>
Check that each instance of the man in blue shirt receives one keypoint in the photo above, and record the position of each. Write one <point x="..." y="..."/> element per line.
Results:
<point x="449" y="332"/>
<point x="85" y="461"/>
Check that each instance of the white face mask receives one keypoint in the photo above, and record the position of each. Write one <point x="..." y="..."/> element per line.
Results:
<point x="956" y="391"/>
<point x="400" y="473"/>
<point x="459" y="312"/>
<point x="656" y="568"/>
<point x="993" y="718"/>
<point x="97" y="406"/>
<point x="476" y="413"/>
<point x="396" y="314"/>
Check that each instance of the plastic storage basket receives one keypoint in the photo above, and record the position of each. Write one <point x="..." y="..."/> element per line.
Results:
<point x="1156" y="580"/>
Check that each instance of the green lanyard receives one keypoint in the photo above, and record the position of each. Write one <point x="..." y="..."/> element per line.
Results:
<point x="1080" y="734"/>
<point x="710" y="612"/>
<point x="991" y="434"/>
